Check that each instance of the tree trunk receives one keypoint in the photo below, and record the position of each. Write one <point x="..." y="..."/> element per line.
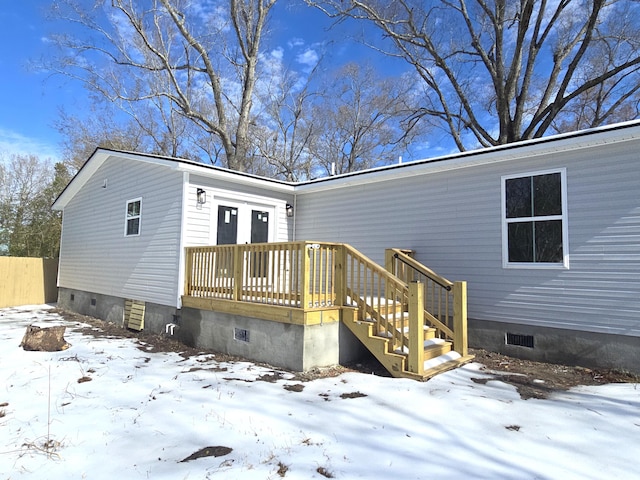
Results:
<point x="44" y="339"/>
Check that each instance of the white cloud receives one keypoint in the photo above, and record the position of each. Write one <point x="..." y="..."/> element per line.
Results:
<point x="277" y="53"/>
<point x="14" y="143"/>
<point x="308" y="58"/>
<point x="295" y="42"/>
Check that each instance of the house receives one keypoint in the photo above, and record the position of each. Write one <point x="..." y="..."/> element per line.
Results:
<point x="545" y="232"/>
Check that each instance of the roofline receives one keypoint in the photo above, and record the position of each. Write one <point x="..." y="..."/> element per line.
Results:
<point x="100" y="155"/>
<point x="534" y="147"/>
<point x="537" y="146"/>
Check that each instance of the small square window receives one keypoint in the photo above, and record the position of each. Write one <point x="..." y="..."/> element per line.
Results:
<point x="133" y="217"/>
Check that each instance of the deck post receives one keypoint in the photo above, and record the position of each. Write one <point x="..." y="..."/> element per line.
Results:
<point x="238" y="267"/>
<point x="460" y="318"/>
<point x="416" y="328"/>
<point x="306" y="274"/>
<point x="389" y="261"/>
<point x="188" y="270"/>
<point x="340" y="274"/>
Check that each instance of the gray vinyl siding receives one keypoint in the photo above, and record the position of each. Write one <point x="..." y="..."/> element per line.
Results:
<point x="95" y="254"/>
<point x="200" y="220"/>
<point x="452" y="220"/>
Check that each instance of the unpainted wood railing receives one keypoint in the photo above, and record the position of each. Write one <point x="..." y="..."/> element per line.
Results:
<point x="445" y="302"/>
<point x="314" y="275"/>
<point x="294" y="274"/>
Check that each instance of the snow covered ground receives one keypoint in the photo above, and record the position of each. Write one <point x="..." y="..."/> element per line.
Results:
<point x="142" y="413"/>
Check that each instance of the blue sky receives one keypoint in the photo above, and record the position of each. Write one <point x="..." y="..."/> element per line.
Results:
<point x="30" y="100"/>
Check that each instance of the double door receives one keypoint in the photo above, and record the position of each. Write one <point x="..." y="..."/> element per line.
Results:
<point x="245" y="223"/>
<point x="242" y="225"/>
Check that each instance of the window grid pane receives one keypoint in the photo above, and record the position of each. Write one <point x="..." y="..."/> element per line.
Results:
<point x="533" y="213"/>
<point x="132" y="225"/>
<point x="547" y="195"/>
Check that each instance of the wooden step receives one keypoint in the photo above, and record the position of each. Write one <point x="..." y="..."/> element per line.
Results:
<point x="441" y="364"/>
<point x="433" y="347"/>
<point x="378" y="346"/>
<point x="433" y="350"/>
<point x="429" y="332"/>
<point x="444" y="363"/>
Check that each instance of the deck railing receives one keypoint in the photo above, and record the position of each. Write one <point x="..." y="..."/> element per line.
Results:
<point x="294" y="274"/>
<point x="445" y="302"/>
<point x="315" y="275"/>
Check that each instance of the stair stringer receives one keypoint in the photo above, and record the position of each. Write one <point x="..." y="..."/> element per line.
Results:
<point x="378" y="346"/>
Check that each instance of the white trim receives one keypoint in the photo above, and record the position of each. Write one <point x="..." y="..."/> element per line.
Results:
<point x="183" y="234"/>
<point x="564" y="217"/>
<point x="127" y="218"/>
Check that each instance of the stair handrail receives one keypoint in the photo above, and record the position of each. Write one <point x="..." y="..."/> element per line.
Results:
<point x="419" y="267"/>
<point x="457" y="331"/>
<point x="399" y="337"/>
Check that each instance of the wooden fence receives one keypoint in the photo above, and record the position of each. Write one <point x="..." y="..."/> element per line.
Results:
<point x="28" y="281"/>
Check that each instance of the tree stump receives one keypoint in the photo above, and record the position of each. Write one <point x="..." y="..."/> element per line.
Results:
<point x="44" y="338"/>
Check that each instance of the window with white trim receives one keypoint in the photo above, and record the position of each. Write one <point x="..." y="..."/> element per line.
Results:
<point x="133" y="217"/>
<point x="534" y="222"/>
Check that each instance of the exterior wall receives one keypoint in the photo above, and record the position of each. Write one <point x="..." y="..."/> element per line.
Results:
<point x="452" y="219"/>
<point x="201" y="220"/>
<point x="96" y="256"/>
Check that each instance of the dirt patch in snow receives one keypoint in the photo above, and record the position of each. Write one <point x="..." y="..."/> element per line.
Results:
<point x="538" y="379"/>
<point x="218" y="451"/>
<point x="532" y="379"/>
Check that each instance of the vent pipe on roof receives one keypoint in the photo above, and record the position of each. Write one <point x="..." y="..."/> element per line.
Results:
<point x="333" y="168"/>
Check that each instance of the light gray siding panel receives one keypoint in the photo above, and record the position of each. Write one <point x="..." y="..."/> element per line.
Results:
<point x="453" y="220"/>
<point x="95" y="254"/>
<point x="200" y="219"/>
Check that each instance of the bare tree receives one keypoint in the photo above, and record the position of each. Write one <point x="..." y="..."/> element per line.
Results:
<point x="199" y="60"/>
<point x="614" y="100"/>
<point x="362" y="119"/>
<point x="285" y="123"/>
<point x="28" y="186"/>
<point x="145" y="127"/>
<point x="498" y="71"/>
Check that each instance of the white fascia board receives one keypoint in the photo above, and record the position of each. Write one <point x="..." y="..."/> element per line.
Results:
<point x="92" y="165"/>
<point x="237" y="178"/>
<point x="618" y="133"/>
<point x="84" y="174"/>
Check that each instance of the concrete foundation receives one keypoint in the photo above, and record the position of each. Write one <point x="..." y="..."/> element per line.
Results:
<point x="554" y="345"/>
<point x="111" y="309"/>
<point x="294" y="347"/>
<point x="304" y="347"/>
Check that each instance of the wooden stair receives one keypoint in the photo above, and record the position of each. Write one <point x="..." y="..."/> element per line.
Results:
<point x="438" y="354"/>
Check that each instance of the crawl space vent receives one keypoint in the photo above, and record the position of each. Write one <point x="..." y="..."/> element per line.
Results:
<point x="519" y="340"/>
<point x="134" y="314"/>
<point x="241" y="334"/>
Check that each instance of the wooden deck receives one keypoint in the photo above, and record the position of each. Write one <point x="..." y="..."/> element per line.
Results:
<point x="308" y="283"/>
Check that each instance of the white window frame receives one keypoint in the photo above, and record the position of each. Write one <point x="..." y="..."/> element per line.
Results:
<point x="562" y="217"/>
<point x="127" y="218"/>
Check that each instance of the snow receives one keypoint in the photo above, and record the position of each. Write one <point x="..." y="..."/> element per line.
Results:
<point x="142" y="413"/>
